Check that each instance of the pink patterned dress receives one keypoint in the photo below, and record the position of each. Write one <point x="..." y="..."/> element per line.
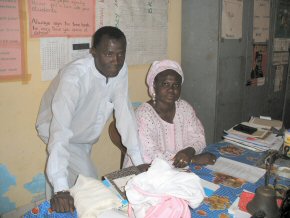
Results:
<point x="162" y="139"/>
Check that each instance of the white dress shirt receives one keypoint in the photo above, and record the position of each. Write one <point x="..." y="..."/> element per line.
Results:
<point x="74" y="110"/>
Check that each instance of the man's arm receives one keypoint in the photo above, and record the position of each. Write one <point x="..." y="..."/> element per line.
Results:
<point x="195" y="130"/>
<point x="63" y="106"/>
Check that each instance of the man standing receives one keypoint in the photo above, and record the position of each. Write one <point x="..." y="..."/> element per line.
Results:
<point x="75" y="108"/>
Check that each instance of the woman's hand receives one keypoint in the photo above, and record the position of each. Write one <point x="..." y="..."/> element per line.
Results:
<point x="62" y="202"/>
<point x="143" y="167"/>
<point x="204" y="159"/>
<point x="183" y="157"/>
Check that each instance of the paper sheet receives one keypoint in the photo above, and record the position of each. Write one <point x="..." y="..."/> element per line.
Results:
<point x="209" y="187"/>
<point x="58" y="18"/>
<point x="11" y="50"/>
<point x="234" y="210"/>
<point x="261" y="20"/>
<point x="121" y="182"/>
<point x="281" y="44"/>
<point x="58" y="51"/>
<point x="278" y="84"/>
<point x="232" y="17"/>
<point x="144" y="24"/>
<point x="237" y="169"/>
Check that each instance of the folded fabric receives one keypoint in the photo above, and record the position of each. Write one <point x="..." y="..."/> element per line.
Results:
<point x="164" y="180"/>
<point x="92" y="197"/>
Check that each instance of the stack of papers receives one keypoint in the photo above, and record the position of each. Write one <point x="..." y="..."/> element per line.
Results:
<point x="266" y="122"/>
<point x="237" y="169"/>
<point x="261" y="140"/>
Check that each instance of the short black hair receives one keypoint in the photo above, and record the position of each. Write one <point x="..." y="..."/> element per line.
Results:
<point x="110" y="31"/>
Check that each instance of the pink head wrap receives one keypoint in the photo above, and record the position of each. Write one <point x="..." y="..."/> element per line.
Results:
<point x="159" y="66"/>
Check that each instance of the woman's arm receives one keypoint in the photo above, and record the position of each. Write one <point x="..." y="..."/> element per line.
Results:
<point x="195" y="131"/>
<point x="190" y="133"/>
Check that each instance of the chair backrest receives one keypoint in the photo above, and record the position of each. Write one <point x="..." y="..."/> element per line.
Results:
<point x="116" y="139"/>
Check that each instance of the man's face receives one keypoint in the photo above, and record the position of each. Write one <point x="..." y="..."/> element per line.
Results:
<point x="109" y="56"/>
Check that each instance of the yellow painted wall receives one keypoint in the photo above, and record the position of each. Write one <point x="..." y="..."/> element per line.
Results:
<point x="23" y="153"/>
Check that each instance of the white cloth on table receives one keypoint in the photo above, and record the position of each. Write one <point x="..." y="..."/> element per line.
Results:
<point x="162" y="179"/>
<point x="92" y="197"/>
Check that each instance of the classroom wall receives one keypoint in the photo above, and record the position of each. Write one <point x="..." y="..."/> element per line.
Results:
<point x="22" y="153"/>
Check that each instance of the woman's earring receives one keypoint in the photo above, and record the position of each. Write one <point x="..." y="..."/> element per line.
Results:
<point x="154" y="98"/>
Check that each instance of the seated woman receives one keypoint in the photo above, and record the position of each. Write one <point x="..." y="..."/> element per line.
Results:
<point x="168" y="126"/>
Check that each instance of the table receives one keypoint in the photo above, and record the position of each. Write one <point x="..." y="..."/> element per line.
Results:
<point x="227" y="193"/>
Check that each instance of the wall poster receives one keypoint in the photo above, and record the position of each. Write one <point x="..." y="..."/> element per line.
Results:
<point x="52" y="18"/>
<point x="278" y="82"/>
<point x="261" y="20"/>
<point x="232" y="19"/>
<point x="56" y="52"/>
<point x="259" y="65"/>
<point x="12" y="65"/>
<point x="283" y="20"/>
<point x="145" y="24"/>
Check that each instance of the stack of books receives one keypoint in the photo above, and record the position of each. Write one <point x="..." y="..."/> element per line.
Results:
<point x="256" y="134"/>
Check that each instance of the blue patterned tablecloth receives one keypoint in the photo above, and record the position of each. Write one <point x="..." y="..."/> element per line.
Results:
<point x="228" y="192"/>
<point x="214" y="206"/>
<point x="43" y="210"/>
<point x="218" y="203"/>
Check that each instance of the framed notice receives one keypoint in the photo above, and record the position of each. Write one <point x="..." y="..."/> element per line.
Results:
<point x="11" y="44"/>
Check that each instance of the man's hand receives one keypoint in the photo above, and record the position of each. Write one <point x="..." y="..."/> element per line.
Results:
<point x="183" y="157"/>
<point x="204" y="159"/>
<point x="62" y="202"/>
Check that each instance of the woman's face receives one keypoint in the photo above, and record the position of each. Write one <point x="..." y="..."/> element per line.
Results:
<point x="167" y="86"/>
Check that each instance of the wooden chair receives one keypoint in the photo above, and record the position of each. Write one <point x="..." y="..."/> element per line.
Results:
<point x="116" y="139"/>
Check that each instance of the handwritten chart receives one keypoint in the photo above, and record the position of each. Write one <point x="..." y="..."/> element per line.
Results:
<point x="56" y="52"/>
<point x="144" y="23"/>
<point x="11" y="57"/>
<point x="56" y="18"/>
